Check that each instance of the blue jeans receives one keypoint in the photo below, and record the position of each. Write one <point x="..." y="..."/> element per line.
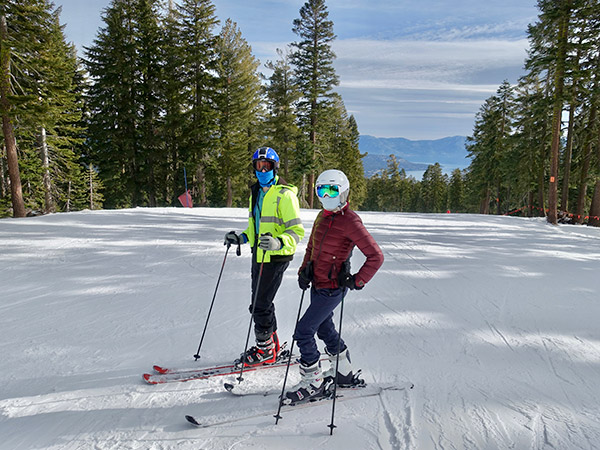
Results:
<point x="318" y="319"/>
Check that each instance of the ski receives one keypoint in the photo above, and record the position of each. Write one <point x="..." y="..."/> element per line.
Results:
<point x="172" y="375"/>
<point x="346" y="395"/>
<point x="241" y="390"/>
<point x="162" y="370"/>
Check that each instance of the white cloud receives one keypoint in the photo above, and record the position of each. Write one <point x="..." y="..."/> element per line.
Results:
<point x="419" y="85"/>
<point x="425" y="62"/>
<point x="418" y="88"/>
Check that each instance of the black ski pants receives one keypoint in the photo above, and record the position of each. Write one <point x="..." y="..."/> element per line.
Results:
<point x="265" y="322"/>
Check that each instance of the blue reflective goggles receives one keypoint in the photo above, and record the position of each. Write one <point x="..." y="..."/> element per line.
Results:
<point x="331" y="190"/>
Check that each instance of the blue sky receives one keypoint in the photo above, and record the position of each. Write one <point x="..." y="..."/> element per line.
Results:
<point x="412" y="69"/>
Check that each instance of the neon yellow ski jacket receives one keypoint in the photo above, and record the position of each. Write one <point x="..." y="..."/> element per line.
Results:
<point x="280" y="216"/>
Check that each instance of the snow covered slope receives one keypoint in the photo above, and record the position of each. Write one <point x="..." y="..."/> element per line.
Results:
<point x="495" y="320"/>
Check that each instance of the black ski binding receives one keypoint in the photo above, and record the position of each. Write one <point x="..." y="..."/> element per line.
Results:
<point x="356" y="382"/>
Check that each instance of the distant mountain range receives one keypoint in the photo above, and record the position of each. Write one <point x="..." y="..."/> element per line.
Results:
<point x="450" y="152"/>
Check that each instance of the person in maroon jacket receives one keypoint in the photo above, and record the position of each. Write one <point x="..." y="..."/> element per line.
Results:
<point x="326" y="265"/>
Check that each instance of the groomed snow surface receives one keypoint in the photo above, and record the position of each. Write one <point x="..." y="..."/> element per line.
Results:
<point x="495" y="320"/>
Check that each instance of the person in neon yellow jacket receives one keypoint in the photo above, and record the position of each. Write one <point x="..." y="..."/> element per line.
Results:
<point x="274" y="231"/>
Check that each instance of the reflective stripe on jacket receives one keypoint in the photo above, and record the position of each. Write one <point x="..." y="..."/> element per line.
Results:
<point x="280" y="216"/>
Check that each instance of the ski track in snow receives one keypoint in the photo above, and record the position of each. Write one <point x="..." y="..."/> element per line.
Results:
<point x="493" y="318"/>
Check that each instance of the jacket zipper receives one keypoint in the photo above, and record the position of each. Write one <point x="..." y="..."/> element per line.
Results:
<point x="322" y="241"/>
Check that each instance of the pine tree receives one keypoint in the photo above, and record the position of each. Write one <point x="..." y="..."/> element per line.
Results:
<point x="173" y="94"/>
<point x="95" y="188"/>
<point x="550" y="50"/>
<point x="238" y="102"/>
<point x="148" y="44"/>
<point x="456" y="192"/>
<point x="395" y="196"/>
<point x="434" y="189"/>
<point x="113" y="104"/>
<point x="587" y="29"/>
<point x="282" y="96"/>
<point x="24" y="29"/>
<point x="48" y="91"/>
<point x="530" y="143"/>
<point x="591" y="65"/>
<point x="375" y="189"/>
<point x="339" y="147"/>
<point x="488" y="145"/>
<point x="192" y="118"/>
<point x="125" y="102"/>
<point x="353" y="165"/>
<point x="313" y="61"/>
<point x="8" y="114"/>
<point x="61" y="128"/>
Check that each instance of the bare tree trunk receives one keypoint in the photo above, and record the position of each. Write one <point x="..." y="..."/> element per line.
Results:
<point x="594" y="219"/>
<point x="152" y="187"/>
<point x="3" y="185"/>
<point x="311" y="179"/>
<point x="200" y="175"/>
<point x="68" y="204"/>
<point x="557" y="111"/>
<point x="303" y="200"/>
<point x="12" y="159"/>
<point x="91" y="187"/>
<point x="541" y="200"/>
<point x="48" y="201"/>
<point x="498" y="204"/>
<point x="585" y="169"/>
<point x="484" y="207"/>
<point x="564" y="200"/>
<point x="229" y="193"/>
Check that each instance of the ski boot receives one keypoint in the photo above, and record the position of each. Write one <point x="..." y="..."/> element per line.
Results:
<point x="264" y="352"/>
<point x="312" y="387"/>
<point x="345" y="377"/>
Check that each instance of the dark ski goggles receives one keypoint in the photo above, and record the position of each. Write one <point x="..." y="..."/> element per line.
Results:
<point x="263" y="165"/>
<point x="331" y="190"/>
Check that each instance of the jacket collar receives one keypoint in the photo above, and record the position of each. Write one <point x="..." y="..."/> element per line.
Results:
<point x="342" y="210"/>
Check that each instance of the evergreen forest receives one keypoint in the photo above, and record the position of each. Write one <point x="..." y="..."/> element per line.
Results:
<point x="169" y="98"/>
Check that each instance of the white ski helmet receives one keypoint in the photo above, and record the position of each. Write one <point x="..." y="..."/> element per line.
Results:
<point x="332" y="188"/>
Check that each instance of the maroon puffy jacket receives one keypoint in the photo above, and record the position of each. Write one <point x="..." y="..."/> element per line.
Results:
<point x="331" y="241"/>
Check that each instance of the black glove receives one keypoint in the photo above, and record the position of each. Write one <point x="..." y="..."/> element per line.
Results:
<point x="305" y="276"/>
<point x="232" y="238"/>
<point x="349" y="281"/>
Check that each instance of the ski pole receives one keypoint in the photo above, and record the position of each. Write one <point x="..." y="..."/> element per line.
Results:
<point x="287" y="369"/>
<point x="337" y="363"/>
<point x="262" y="263"/>
<point x="197" y="355"/>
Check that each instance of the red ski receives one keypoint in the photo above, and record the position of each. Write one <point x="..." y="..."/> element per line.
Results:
<point x="166" y="375"/>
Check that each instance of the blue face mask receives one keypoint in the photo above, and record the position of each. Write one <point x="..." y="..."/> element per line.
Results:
<point x="265" y="178"/>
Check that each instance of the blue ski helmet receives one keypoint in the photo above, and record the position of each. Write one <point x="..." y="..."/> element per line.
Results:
<point x="266" y="154"/>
